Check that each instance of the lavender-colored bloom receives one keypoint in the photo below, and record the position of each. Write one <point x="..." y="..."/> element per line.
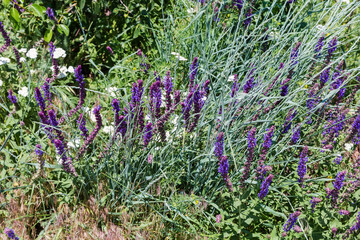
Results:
<point x="17" y="56"/>
<point x="6" y="38"/>
<point x="355" y="131"/>
<point x="116" y="109"/>
<point x="17" y="7"/>
<point x="250" y="82"/>
<point x="148" y="134"/>
<point x="314" y="201"/>
<point x="51" y="14"/>
<point x="251" y="146"/>
<point x="356" y="226"/>
<point x="187" y="107"/>
<point x="38" y="150"/>
<point x="46" y="88"/>
<point x="344" y="212"/>
<point x="290" y="116"/>
<point x="122" y="125"/>
<point x="338" y="159"/>
<point x="297" y="228"/>
<point x="235" y="86"/>
<point x="219" y="145"/>
<point x="54" y="61"/>
<point x="296" y="135"/>
<point x="284" y="90"/>
<point x="265" y="186"/>
<point x="155" y="98"/>
<point x="193" y="72"/>
<point x="291" y="1"/>
<point x="218" y="218"/>
<point x="332" y="46"/>
<point x="10" y="233"/>
<point x="12" y="97"/>
<point x="109" y="49"/>
<point x="267" y="138"/>
<point x="338" y="183"/>
<point x="206" y="86"/>
<point x="223" y="166"/>
<point x="66" y="162"/>
<point x="80" y="79"/>
<point x="302" y="164"/>
<point x="168" y="85"/>
<point x="294" y="54"/>
<point x="319" y="45"/>
<point x="39" y="98"/>
<point x="137" y="91"/>
<point x="198" y="104"/>
<point x="248" y="17"/>
<point x="324" y="77"/>
<point x="291" y="221"/>
<point x="44" y="118"/>
<point x="81" y="124"/>
<point x="52" y="118"/>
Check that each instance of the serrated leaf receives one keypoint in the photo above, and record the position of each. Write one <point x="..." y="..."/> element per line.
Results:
<point x="63" y="29"/>
<point x="48" y="35"/>
<point x="14" y="14"/>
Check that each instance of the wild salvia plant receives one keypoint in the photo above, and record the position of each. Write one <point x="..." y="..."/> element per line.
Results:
<point x="246" y="127"/>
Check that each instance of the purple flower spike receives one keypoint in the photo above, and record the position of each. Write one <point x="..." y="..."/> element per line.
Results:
<point x="46" y="88"/>
<point x="6" y="38"/>
<point x="39" y="98"/>
<point x="324" y="77"/>
<point x="168" y="85"/>
<point x="356" y="226"/>
<point x="251" y="147"/>
<point x="355" y="131"/>
<point x="291" y="221"/>
<point x="248" y="17"/>
<point x="235" y="86"/>
<point x="344" y="212"/>
<point x="155" y="98"/>
<point x="17" y="56"/>
<point x="81" y="124"/>
<point x="51" y="14"/>
<point x="339" y="181"/>
<point x="198" y="104"/>
<point x="193" y="72"/>
<point x="265" y="186"/>
<point x="38" y="150"/>
<point x="223" y="166"/>
<point x="294" y="54"/>
<point x="80" y="79"/>
<point x="219" y="145"/>
<point x="332" y="46"/>
<point x="290" y="116"/>
<point x="187" y="108"/>
<point x="314" y="201"/>
<point x="10" y="233"/>
<point x="296" y="135"/>
<point x="337" y="160"/>
<point x="319" y="45"/>
<point x="55" y="64"/>
<point x="250" y="82"/>
<point x="302" y="164"/>
<point x="66" y="161"/>
<point x="12" y="97"/>
<point x="148" y="134"/>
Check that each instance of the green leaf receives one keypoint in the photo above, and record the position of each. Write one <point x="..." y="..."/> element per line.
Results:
<point x="6" y="3"/>
<point x="37" y="10"/>
<point x="48" y="35"/>
<point x="63" y="29"/>
<point x="14" y="14"/>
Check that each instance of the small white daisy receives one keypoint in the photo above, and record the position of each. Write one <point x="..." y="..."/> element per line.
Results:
<point x="22" y="59"/>
<point x="348" y="146"/>
<point x="59" y="52"/>
<point x="4" y="60"/>
<point x="71" y="69"/>
<point x="231" y="78"/>
<point x="191" y="11"/>
<point x="111" y="91"/>
<point x="23" y="92"/>
<point x="74" y="144"/>
<point x="108" y="129"/>
<point x="23" y="50"/>
<point x="1" y="83"/>
<point x="32" y="53"/>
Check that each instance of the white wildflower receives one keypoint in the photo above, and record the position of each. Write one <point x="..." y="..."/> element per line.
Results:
<point x="231" y="78"/>
<point x="191" y="10"/>
<point x="22" y="59"/>
<point x="108" y="129"/>
<point x="74" y="144"/>
<point x="71" y="69"/>
<point x="111" y="91"/>
<point x="321" y="28"/>
<point x="348" y="146"/>
<point x="1" y="83"/>
<point x="58" y="159"/>
<point x="177" y="55"/>
<point x="62" y="72"/>
<point x="32" y="53"/>
<point x="23" y="50"/>
<point x="59" y="52"/>
<point x="346" y="1"/>
<point x="23" y="92"/>
<point x="4" y="60"/>
<point x="147" y="118"/>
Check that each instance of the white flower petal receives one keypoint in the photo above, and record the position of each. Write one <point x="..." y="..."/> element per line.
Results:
<point x="59" y="52"/>
<point x="1" y="83"/>
<point x="23" y="92"/>
<point x="4" y="60"/>
<point x="32" y="53"/>
<point x="23" y="50"/>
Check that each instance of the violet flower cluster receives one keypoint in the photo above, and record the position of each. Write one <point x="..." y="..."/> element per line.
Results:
<point x="148" y="134"/>
<point x="290" y="116"/>
<point x="265" y="186"/>
<point x="6" y="38"/>
<point x="261" y="168"/>
<point x="12" y="97"/>
<point x="250" y="82"/>
<point x="314" y="201"/>
<point x="251" y="147"/>
<point x="291" y="221"/>
<point x="10" y="233"/>
<point x="193" y="71"/>
<point x="223" y="168"/>
<point x="302" y="164"/>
